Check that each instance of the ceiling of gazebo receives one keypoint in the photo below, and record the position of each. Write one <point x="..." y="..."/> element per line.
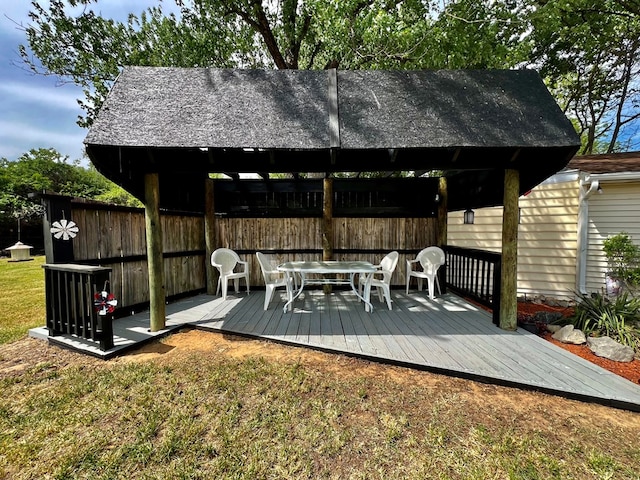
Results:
<point x="470" y="124"/>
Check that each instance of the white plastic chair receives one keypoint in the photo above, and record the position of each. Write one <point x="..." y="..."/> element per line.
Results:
<point x="385" y="271"/>
<point x="226" y="260"/>
<point x="430" y="259"/>
<point x="272" y="278"/>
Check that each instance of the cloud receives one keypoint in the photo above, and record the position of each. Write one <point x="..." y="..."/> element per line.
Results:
<point x="50" y="96"/>
<point x="18" y="138"/>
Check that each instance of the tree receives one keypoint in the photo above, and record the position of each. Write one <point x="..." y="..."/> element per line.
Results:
<point x="587" y="51"/>
<point x="589" y="54"/>
<point x="47" y="170"/>
<point x="89" y="50"/>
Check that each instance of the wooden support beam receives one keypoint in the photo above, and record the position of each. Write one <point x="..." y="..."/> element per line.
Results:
<point x="154" y="251"/>
<point x="209" y="235"/>
<point x="327" y="223"/>
<point x="509" y="283"/>
<point x="443" y="214"/>
<point x="443" y="197"/>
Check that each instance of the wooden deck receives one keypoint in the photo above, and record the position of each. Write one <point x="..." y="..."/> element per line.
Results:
<point x="448" y="336"/>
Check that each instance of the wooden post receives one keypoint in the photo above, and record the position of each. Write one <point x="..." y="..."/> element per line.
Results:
<point x="209" y="235"/>
<point x="443" y="200"/>
<point x="327" y="224"/>
<point x="154" y="251"/>
<point x="56" y="250"/>
<point x="509" y="284"/>
<point x="442" y="211"/>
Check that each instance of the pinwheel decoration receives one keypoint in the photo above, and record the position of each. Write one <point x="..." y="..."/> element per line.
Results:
<point x="104" y="302"/>
<point x="64" y="229"/>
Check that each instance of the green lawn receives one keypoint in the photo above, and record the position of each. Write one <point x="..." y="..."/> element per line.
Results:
<point x="196" y="410"/>
<point x="22" y="304"/>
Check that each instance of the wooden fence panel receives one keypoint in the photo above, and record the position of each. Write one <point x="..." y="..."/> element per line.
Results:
<point x="115" y="237"/>
<point x="289" y="239"/>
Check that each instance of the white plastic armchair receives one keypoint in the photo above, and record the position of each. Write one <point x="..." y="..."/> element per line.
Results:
<point x="382" y="277"/>
<point x="430" y="260"/>
<point x="226" y="260"/>
<point x="272" y="278"/>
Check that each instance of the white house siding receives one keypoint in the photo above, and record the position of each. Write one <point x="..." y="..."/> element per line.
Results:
<point x="615" y="210"/>
<point x="547" y="238"/>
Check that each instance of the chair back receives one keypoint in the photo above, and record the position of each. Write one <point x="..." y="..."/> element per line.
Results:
<point x="226" y="258"/>
<point x="431" y="258"/>
<point x="266" y="266"/>
<point x="389" y="262"/>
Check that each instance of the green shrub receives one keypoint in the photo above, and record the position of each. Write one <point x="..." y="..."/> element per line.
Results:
<point x="598" y="315"/>
<point x="623" y="257"/>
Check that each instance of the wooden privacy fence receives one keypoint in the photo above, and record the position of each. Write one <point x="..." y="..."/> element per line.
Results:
<point x="114" y="237"/>
<point x="289" y="239"/>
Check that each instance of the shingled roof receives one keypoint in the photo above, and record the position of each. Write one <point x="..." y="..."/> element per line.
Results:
<point x="470" y="123"/>
<point x="607" y="162"/>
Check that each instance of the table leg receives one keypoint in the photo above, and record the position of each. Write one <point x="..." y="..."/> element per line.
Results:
<point x="367" y="290"/>
<point x="294" y="292"/>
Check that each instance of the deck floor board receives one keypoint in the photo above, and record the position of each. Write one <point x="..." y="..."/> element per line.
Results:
<point x="447" y="335"/>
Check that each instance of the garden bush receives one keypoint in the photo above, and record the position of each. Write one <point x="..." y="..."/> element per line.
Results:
<point x="623" y="258"/>
<point x="618" y="318"/>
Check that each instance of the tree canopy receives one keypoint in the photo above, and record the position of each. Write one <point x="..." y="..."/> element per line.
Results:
<point x="45" y="169"/>
<point x="587" y="51"/>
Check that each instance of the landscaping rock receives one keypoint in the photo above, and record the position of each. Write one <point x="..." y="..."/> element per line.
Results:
<point x="607" y="347"/>
<point x="553" y="328"/>
<point x="569" y="334"/>
<point x="547" y="317"/>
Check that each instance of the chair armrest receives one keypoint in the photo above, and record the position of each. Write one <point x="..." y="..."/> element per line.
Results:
<point x="409" y="265"/>
<point x="386" y="275"/>
<point x="246" y="264"/>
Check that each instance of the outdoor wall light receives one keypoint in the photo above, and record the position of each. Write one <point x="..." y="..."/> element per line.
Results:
<point x="468" y="216"/>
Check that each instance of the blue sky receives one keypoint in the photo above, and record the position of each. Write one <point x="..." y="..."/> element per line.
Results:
<point x="36" y="111"/>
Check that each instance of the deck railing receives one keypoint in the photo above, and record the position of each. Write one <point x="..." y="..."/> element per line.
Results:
<point x="475" y="274"/>
<point x="70" y="303"/>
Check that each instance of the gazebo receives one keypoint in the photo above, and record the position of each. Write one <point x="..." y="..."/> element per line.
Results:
<point x="493" y="135"/>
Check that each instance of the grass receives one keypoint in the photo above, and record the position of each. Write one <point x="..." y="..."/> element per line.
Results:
<point x="208" y="416"/>
<point x="22" y="304"/>
<point x="201" y="414"/>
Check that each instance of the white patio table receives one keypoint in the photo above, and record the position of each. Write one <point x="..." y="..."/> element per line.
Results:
<point x="304" y="269"/>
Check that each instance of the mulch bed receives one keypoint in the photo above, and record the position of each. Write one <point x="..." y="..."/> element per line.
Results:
<point x="630" y="370"/>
